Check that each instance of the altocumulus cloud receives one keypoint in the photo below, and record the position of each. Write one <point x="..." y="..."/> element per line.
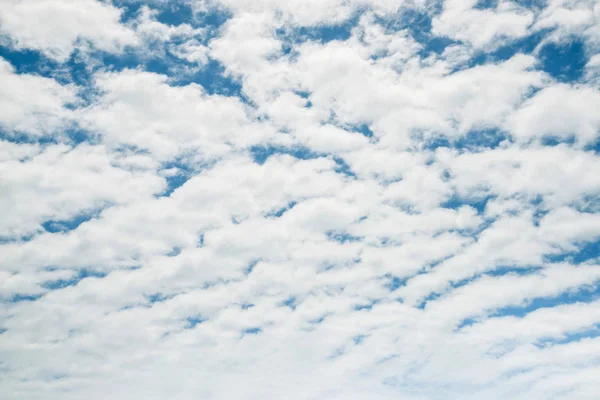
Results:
<point x="300" y="199"/>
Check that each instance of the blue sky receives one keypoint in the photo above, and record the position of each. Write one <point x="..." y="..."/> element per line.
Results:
<point x="302" y="199"/>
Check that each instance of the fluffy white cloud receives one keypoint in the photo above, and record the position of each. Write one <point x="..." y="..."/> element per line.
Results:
<point x="56" y="27"/>
<point x="58" y="183"/>
<point x="362" y="215"/>
<point x="560" y="111"/>
<point x="570" y="17"/>
<point x="31" y="104"/>
<point x="141" y="109"/>
<point x="482" y="28"/>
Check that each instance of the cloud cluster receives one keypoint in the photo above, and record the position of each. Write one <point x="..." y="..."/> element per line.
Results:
<point x="334" y="199"/>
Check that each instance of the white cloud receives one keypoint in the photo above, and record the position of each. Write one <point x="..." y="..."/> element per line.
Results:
<point x="570" y="17"/>
<point x="32" y="104"/>
<point x="560" y="111"/>
<point x="482" y="28"/>
<point x="368" y="218"/>
<point x="545" y="323"/>
<point x="58" y="183"/>
<point x="140" y="109"/>
<point x="56" y="27"/>
<point x="560" y="175"/>
<point x="593" y="69"/>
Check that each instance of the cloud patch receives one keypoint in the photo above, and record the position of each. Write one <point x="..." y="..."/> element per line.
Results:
<point x="288" y="199"/>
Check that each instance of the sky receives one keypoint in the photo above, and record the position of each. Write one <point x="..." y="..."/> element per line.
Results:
<point x="300" y="199"/>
